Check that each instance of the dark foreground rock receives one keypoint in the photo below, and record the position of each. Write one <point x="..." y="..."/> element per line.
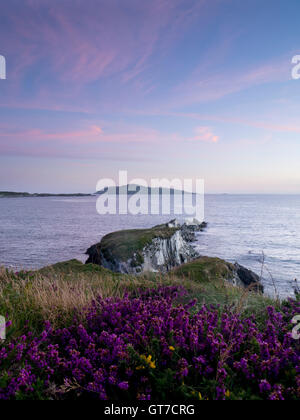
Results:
<point x="248" y="278"/>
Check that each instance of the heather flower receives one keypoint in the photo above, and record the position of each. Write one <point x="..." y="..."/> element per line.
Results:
<point x="264" y="386"/>
<point x="182" y="367"/>
<point x="123" y="347"/>
<point x="124" y="386"/>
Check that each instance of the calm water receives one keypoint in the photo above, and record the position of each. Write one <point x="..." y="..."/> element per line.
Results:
<point x="35" y="232"/>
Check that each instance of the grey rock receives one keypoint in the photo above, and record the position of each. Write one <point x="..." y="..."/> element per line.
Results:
<point x="248" y="278"/>
<point x="162" y="254"/>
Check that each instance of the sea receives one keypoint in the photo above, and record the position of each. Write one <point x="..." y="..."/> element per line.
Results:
<point x="260" y="232"/>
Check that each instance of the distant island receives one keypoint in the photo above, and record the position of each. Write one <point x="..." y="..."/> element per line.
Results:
<point x="9" y="194"/>
<point x="132" y="189"/>
<point x="118" y="190"/>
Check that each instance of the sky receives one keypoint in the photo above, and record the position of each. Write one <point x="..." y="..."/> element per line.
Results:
<point x="160" y="88"/>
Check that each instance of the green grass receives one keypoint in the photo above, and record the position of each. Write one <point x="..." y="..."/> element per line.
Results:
<point x="206" y="269"/>
<point x="54" y="293"/>
<point x="75" y="267"/>
<point x="124" y="244"/>
<point x="206" y="280"/>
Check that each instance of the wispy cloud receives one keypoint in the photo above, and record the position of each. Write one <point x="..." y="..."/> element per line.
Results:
<point x="97" y="39"/>
<point x="92" y="140"/>
<point x="61" y="57"/>
<point x="205" y="134"/>
<point x="93" y="134"/>
<point x="212" y="86"/>
<point x="286" y="127"/>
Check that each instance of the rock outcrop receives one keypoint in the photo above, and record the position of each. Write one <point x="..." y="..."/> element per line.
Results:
<point x="210" y="269"/>
<point x="159" y="249"/>
<point x="165" y="254"/>
<point x="246" y="278"/>
<point x="163" y="249"/>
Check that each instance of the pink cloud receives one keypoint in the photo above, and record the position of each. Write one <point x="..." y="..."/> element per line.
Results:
<point x="212" y="86"/>
<point x="90" y="142"/>
<point x="205" y="134"/>
<point x="93" y="140"/>
<point x="94" y="133"/>
<point x="83" y="43"/>
<point x="289" y="126"/>
<point x="266" y="125"/>
<point x="67" y="48"/>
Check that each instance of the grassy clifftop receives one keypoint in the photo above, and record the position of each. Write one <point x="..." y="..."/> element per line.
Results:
<point x="204" y="269"/>
<point x="73" y="267"/>
<point x="123" y="244"/>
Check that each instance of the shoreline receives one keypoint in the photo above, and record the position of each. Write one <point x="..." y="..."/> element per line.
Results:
<point x="4" y="194"/>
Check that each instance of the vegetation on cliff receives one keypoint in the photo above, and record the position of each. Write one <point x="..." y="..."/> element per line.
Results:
<point x="204" y="269"/>
<point x="123" y="244"/>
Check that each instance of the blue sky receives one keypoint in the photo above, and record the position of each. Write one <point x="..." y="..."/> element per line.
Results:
<point x="161" y="88"/>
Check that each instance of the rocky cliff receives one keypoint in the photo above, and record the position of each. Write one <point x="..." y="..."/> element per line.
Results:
<point x="163" y="249"/>
<point x="159" y="249"/>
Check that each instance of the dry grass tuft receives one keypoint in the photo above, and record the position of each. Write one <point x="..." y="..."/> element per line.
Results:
<point x="56" y="293"/>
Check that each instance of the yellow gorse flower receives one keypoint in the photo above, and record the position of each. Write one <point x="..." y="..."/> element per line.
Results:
<point x="172" y="348"/>
<point x="200" y="396"/>
<point x="148" y="360"/>
<point x="227" y="394"/>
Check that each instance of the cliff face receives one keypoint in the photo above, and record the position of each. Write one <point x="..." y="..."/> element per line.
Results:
<point x="165" y="254"/>
<point x="161" y="253"/>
